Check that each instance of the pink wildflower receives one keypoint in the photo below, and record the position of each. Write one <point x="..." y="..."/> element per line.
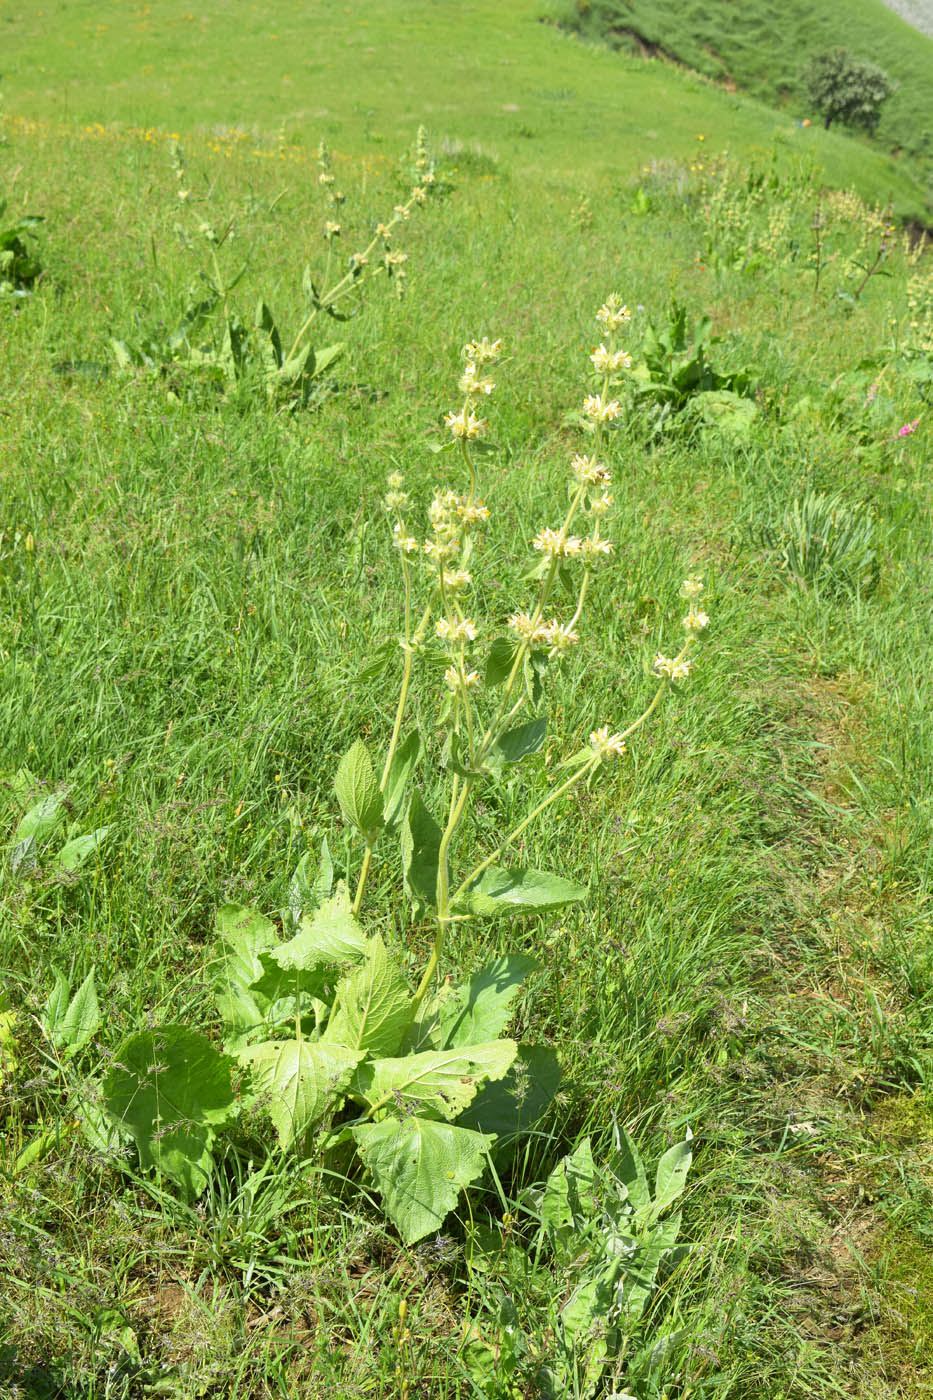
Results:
<point x="908" y="428"/>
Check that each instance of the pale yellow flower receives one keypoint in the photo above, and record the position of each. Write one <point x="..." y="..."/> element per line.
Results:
<point x="691" y="588"/>
<point x="601" y="410"/>
<point x="402" y="540"/>
<point x="612" y="314"/>
<point x="455" y="580"/>
<point x="556" y="545"/>
<point x="472" y="383"/>
<point x="465" y="424"/>
<point x="609" y="361"/>
<point x="601" y="504"/>
<point x="457" y="680"/>
<point x="696" y="620"/>
<point x="607" y="745"/>
<point x="331" y="229"/>
<point x="461" y="629"/>
<point x="473" y="515"/>
<point x="588" y="471"/>
<point x="595" y="550"/>
<point x="482" y="352"/>
<point x="394" y="481"/>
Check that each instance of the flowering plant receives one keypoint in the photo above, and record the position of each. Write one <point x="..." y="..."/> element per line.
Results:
<point x="324" y="1026"/>
<point x="214" y="343"/>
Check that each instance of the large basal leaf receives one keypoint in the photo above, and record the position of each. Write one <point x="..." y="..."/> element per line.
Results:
<point x="514" y="1103"/>
<point x="36" y="826"/>
<point x="671" y="1176"/>
<point x="298" y="1082"/>
<point x="76" y="852"/>
<point x="329" y="935"/>
<point x="403" y="764"/>
<point x="438" y="1082"/>
<point x="627" y="1167"/>
<point x="358" y="791"/>
<point x="243" y="936"/>
<point x="479" y="1009"/>
<point x="419" y="1168"/>
<point x="421" y="841"/>
<point x="499" y="893"/>
<point x="170" y="1089"/>
<point x="569" y="1199"/>
<point x="372" y="1006"/>
<point x="71" y="1022"/>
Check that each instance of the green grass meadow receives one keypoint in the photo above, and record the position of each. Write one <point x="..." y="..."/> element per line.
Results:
<point x="193" y="587"/>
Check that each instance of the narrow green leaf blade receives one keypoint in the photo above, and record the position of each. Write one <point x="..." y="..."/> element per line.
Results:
<point x="419" y="1168"/>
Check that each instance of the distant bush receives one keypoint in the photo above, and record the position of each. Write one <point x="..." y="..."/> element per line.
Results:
<point x="847" y="89"/>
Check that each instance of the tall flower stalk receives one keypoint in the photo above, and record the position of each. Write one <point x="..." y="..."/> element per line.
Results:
<point x="485" y="712"/>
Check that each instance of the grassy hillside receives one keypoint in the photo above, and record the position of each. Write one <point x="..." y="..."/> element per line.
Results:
<point x="200" y="612"/>
<point x="363" y="75"/>
<point x="764" y="53"/>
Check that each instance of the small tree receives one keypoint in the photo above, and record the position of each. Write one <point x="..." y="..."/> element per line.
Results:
<point x="847" y="89"/>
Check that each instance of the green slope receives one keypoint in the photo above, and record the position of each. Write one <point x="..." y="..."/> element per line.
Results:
<point x="764" y="51"/>
<point x="361" y="74"/>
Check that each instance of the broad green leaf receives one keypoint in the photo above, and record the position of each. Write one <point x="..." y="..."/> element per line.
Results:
<point x="671" y="1176"/>
<point x="569" y="1200"/>
<point x="74" y="853"/>
<point x="294" y="369"/>
<point x="626" y="1166"/>
<point x="307" y="891"/>
<point x="421" y="841"/>
<point x="7" y="1039"/>
<point x="74" y="1026"/>
<point x="358" y="791"/>
<point x="479" y="1009"/>
<point x="243" y="936"/>
<point x="403" y="763"/>
<point x="331" y="934"/>
<point x="419" y="1168"/>
<point x="170" y="1089"/>
<point x="514" y="1104"/>
<point x="499" y="892"/>
<point x="638" y="1278"/>
<point x="372" y="1006"/>
<point x="501" y="659"/>
<point x="519" y="742"/>
<point x="56" y="1005"/>
<point x="36" y="826"/>
<point x="298" y="1082"/>
<point x="323" y="359"/>
<point x="265" y="322"/>
<point x="440" y="1082"/>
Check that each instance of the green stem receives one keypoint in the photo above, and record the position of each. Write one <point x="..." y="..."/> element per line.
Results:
<point x="458" y="800"/>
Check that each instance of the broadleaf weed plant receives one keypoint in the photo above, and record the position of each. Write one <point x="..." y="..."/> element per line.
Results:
<point x="211" y="341"/>
<point x="334" y="1045"/>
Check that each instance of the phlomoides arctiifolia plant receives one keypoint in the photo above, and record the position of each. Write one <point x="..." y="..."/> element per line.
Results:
<point x="211" y="342"/>
<point x="322" y="1031"/>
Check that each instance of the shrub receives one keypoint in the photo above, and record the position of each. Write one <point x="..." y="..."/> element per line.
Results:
<point x="847" y="89"/>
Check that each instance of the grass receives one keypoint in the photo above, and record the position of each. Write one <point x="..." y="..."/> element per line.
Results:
<point x="189" y="592"/>
<point x="489" y="74"/>
<point x="747" y="50"/>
